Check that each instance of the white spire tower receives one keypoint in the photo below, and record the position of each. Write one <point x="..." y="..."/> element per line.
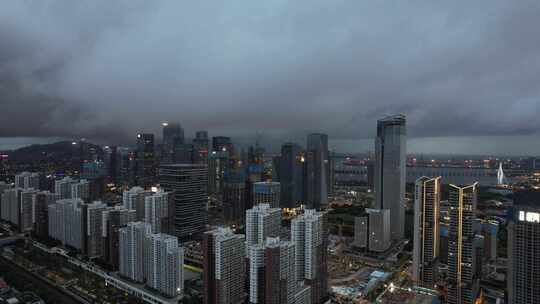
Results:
<point x="500" y="175"/>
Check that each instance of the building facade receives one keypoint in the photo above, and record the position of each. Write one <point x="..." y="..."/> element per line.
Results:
<point x="427" y="202"/>
<point x="389" y="174"/>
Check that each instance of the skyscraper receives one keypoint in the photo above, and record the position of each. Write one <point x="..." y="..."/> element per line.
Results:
<point x="163" y="262"/>
<point x="222" y="144"/>
<point x="145" y="159"/>
<point x="134" y="199"/>
<point x="224" y="267"/>
<point x="390" y="152"/>
<point x="462" y="277"/>
<point x="42" y="200"/>
<point x="317" y="171"/>
<point x="26" y="210"/>
<point x="234" y="202"/>
<point x="27" y="180"/>
<point x="66" y="222"/>
<point x="291" y="175"/>
<point x="132" y="248"/>
<point x="262" y="221"/>
<point x="200" y="147"/>
<point x="266" y="193"/>
<point x="81" y="189"/>
<point x="62" y="187"/>
<point x="173" y="135"/>
<point x="427" y="201"/>
<point x="113" y="220"/>
<point x="94" y="229"/>
<point x="159" y="212"/>
<point x="523" y="276"/>
<point x="189" y="184"/>
<point x="310" y="236"/>
<point x="272" y="272"/>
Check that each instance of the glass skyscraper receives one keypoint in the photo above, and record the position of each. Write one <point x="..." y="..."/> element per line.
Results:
<point x="389" y="175"/>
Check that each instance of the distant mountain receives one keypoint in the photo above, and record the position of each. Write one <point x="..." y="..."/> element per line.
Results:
<point x="55" y="152"/>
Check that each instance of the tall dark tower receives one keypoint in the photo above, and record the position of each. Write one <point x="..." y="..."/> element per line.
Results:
<point x="145" y="159"/>
<point x="389" y="182"/>
<point x="317" y="170"/>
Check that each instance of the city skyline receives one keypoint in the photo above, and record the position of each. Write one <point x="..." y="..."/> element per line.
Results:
<point x="462" y="69"/>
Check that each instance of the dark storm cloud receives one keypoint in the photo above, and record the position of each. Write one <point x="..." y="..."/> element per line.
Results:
<point x="103" y="69"/>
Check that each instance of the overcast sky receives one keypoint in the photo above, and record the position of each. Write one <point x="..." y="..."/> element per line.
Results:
<point x="107" y="69"/>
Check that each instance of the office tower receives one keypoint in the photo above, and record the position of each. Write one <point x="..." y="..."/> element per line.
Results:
<point x="379" y="229"/>
<point x="66" y="222"/>
<point x="111" y="163"/>
<point x="113" y="219"/>
<point x="42" y="200"/>
<point x="159" y="212"/>
<point x="200" y="147"/>
<point x="276" y="169"/>
<point x="218" y="165"/>
<point x="224" y="267"/>
<point x="145" y="159"/>
<point x="81" y="190"/>
<point x="222" y="144"/>
<point x="132" y="239"/>
<point x="272" y="272"/>
<point x="310" y="237"/>
<point x="173" y="135"/>
<point x="427" y="200"/>
<point x="291" y="175"/>
<point x="164" y="263"/>
<point x="370" y="167"/>
<point x="134" y="199"/>
<point x="389" y="183"/>
<point x="317" y="171"/>
<point x="523" y="276"/>
<point x="27" y="180"/>
<point x="490" y="230"/>
<point x="183" y="153"/>
<point x="266" y="193"/>
<point x="26" y="210"/>
<point x="462" y="279"/>
<point x="189" y="183"/>
<point x="94" y="229"/>
<point x="234" y="202"/>
<point x="262" y="221"/>
<point x="361" y="232"/>
<point x="10" y="205"/>
<point x="62" y="187"/>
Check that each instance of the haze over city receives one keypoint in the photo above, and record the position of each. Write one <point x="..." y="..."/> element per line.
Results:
<point x="105" y="70"/>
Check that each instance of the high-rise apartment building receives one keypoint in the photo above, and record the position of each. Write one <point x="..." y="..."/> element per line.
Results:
<point x="463" y="282"/>
<point x="131" y="250"/>
<point x="42" y="200"/>
<point x="427" y="200"/>
<point x="224" y="267"/>
<point x="113" y="220"/>
<point x="11" y="198"/>
<point x="62" y="187"/>
<point x="523" y="275"/>
<point x="81" y="190"/>
<point x="189" y="184"/>
<point x="94" y="229"/>
<point x="262" y="222"/>
<point x="164" y="264"/>
<point x="26" y="180"/>
<point x="389" y="175"/>
<point x="266" y="193"/>
<point x="310" y="236"/>
<point x="134" y="199"/>
<point x="159" y="212"/>
<point x="66" y="222"/>
<point x="26" y="210"/>
<point x="291" y="175"/>
<point x="234" y="202"/>
<point x="317" y="171"/>
<point x="272" y="272"/>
